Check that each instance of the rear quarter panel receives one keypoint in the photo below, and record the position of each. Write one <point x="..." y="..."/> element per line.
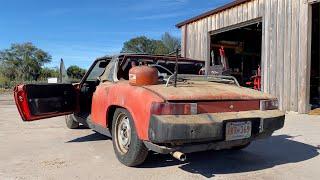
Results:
<point x="137" y="100"/>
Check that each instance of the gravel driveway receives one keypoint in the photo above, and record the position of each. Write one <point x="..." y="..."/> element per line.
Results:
<point x="48" y="150"/>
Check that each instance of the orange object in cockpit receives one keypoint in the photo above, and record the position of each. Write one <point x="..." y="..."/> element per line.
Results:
<point x="143" y="75"/>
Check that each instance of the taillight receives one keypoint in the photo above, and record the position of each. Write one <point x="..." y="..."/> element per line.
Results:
<point x="174" y="108"/>
<point x="269" y="104"/>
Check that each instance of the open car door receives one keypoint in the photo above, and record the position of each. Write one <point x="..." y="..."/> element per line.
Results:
<point x="40" y="101"/>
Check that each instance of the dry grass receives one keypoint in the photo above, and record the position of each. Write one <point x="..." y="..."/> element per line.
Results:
<point x="5" y="91"/>
<point x="315" y="112"/>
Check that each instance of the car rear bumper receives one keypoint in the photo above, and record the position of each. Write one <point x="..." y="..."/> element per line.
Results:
<point x="210" y="128"/>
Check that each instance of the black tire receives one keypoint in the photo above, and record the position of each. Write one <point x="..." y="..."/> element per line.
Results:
<point x="71" y="122"/>
<point x="237" y="148"/>
<point x="136" y="152"/>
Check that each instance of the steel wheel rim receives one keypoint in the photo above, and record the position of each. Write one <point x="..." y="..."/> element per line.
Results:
<point x="123" y="133"/>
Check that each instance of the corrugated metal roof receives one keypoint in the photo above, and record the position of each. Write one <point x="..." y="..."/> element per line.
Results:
<point x="214" y="11"/>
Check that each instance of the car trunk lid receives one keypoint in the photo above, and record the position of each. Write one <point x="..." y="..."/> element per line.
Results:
<point x="206" y="91"/>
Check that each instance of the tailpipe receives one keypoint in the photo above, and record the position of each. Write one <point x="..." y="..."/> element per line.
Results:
<point x="179" y="155"/>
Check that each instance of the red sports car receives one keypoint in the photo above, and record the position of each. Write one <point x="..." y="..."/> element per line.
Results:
<point x="147" y="102"/>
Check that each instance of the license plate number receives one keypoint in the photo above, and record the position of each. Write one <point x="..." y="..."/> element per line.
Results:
<point x="238" y="130"/>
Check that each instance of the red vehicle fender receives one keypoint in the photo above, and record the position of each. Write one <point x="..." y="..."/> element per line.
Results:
<point x="137" y="100"/>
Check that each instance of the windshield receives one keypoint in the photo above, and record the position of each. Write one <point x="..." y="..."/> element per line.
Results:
<point x="97" y="70"/>
<point x="108" y="74"/>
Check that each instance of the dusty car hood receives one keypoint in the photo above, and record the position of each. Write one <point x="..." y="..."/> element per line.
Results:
<point x="200" y="90"/>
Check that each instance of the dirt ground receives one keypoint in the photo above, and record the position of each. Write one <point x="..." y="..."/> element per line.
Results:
<point x="48" y="150"/>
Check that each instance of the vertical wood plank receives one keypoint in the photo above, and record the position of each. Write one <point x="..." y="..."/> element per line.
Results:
<point x="190" y="36"/>
<point x="266" y="47"/>
<point x="230" y="17"/>
<point x="201" y="47"/>
<point x="263" y="55"/>
<point x="199" y="32"/>
<point x="280" y="53"/>
<point x="183" y="42"/>
<point x="273" y="46"/>
<point x="188" y="41"/>
<point x="197" y="40"/>
<point x="205" y="47"/>
<point x="287" y="55"/>
<point x="250" y="10"/>
<point x="225" y="18"/>
<point x="294" y="56"/>
<point x="191" y="43"/>
<point x="235" y="15"/>
<point x="217" y="17"/>
<point x="262" y="7"/>
<point x="240" y="13"/>
<point x="203" y="43"/>
<point x="221" y="20"/>
<point x="214" y="22"/>
<point x="307" y="99"/>
<point x="209" y="23"/>
<point x="255" y="8"/>
<point x="245" y="12"/>
<point x="304" y="36"/>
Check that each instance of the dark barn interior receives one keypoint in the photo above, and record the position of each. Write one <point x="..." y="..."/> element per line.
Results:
<point x="239" y="52"/>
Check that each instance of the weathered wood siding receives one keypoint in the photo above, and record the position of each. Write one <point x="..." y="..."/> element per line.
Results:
<point x="285" y="45"/>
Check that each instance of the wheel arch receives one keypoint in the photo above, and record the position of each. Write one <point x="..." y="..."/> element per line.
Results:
<point x="136" y="100"/>
<point x="109" y="115"/>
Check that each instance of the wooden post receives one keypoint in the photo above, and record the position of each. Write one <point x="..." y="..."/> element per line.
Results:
<point x="304" y="57"/>
<point x="176" y="68"/>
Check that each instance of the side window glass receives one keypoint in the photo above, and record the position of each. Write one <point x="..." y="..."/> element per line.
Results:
<point x="108" y="74"/>
<point x="97" y="70"/>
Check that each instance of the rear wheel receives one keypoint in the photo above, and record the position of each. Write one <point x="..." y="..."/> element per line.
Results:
<point x="128" y="148"/>
<point x="71" y="122"/>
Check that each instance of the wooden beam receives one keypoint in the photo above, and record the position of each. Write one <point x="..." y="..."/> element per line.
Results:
<point x="273" y="46"/>
<point x="280" y="53"/>
<point x="287" y="55"/>
<point x="304" y="57"/>
<point x="294" y="56"/>
<point x="266" y="47"/>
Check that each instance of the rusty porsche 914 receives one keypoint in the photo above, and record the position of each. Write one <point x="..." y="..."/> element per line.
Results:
<point x="145" y="105"/>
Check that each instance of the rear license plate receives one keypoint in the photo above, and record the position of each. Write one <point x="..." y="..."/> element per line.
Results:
<point x="238" y="130"/>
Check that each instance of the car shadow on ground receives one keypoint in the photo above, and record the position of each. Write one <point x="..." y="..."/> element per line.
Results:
<point x="262" y="154"/>
<point x="91" y="137"/>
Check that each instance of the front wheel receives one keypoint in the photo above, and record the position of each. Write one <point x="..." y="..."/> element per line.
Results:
<point x="71" y="122"/>
<point x="129" y="149"/>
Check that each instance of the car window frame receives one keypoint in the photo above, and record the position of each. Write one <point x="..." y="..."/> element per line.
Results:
<point x="85" y="77"/>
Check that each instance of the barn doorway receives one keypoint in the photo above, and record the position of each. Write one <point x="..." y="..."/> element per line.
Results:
<point x="315" y="58"/>
<point x="237" y="52"/>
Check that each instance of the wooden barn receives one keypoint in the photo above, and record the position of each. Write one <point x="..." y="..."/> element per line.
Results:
<point x="274" y="40"/>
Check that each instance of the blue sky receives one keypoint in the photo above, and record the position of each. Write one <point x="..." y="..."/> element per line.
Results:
<point x="80" y="31"/>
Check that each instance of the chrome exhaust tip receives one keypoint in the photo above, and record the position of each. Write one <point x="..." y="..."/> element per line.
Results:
<point x="179" y="155"/>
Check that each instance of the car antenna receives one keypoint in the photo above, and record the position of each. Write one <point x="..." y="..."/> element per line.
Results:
<point x="176" y="68"/>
